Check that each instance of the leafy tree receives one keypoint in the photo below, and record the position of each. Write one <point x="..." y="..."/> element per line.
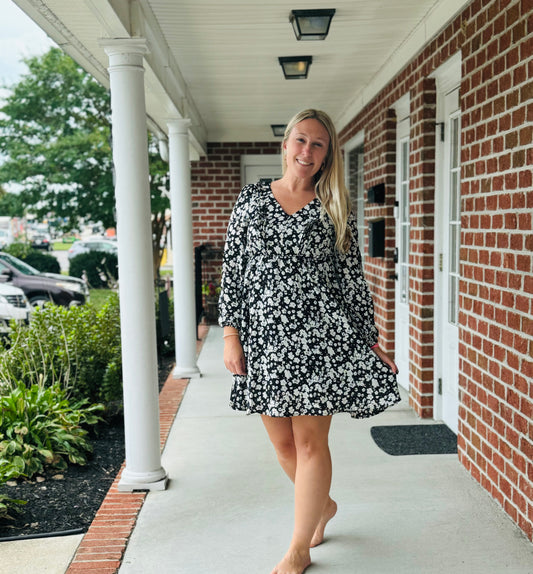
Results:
<point x="159" y="201"/>
<point x="55" y="136"/>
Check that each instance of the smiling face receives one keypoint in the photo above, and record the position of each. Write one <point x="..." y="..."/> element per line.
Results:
<point x="306" y="148"/>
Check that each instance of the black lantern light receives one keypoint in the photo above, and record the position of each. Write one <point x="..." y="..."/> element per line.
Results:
<point x="311" y="24"/>
<point x="295" y="67"/>
<point x="278" y="129"/>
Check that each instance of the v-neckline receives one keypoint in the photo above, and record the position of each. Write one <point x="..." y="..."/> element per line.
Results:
<point x="281" y="207"/>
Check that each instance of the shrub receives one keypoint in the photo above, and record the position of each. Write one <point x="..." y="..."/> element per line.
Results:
<point x="43" y="262"/>
<point x="40" y="428"/>
<point x="68" y="347"/>
<point x="98" y="268"/>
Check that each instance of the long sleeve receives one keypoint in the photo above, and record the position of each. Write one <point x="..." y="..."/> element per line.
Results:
<point x="357" y="297"/>
<point x="234" y="262"/>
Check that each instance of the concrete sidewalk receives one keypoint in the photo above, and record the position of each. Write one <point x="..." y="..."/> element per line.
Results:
<point x="228" y="508"/>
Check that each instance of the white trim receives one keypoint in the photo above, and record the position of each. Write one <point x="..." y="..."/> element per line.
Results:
<point x="448" y="75"/>
<point x="357" y="140"/>
<point x="402" y="107"/>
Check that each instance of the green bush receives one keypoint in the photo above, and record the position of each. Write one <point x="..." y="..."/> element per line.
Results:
<point x="43" y="262"/>
<point x="70" y="347"/>
<point x="40" y="428"/>
<point x="98" y="268"/>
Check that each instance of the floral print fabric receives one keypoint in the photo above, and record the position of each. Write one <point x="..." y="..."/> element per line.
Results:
<point x="303" y="311"/>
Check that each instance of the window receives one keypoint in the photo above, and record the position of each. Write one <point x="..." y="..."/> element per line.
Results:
<point x="455" y="221"/>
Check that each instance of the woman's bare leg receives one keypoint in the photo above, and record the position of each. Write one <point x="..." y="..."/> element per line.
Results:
<point x="312" y="482"/>
<point x="281" y="435"/>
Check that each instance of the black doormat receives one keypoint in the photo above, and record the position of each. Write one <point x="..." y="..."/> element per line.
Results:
<point x="400" y="440"/>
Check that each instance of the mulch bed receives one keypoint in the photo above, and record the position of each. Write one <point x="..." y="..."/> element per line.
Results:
<point x="68" y="500"/>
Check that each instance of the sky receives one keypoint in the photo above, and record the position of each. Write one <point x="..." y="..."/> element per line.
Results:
<point x="20" y="38"/>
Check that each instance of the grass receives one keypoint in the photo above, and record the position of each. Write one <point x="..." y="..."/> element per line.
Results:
<point x="98" y="297"/>
<point x="60" y="246"/>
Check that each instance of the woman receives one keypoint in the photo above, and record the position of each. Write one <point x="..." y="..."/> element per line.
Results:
<point x="298" y="319"/>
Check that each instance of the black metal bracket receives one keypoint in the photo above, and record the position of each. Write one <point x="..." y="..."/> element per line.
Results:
<point x="441" y="124"/>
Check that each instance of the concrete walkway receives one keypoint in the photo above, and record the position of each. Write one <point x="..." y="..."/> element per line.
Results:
<point x="228" y="509"/>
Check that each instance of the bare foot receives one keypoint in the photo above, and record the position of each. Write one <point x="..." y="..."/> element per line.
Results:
<point x="293" y="562"/>
<point x="329" y="513"/>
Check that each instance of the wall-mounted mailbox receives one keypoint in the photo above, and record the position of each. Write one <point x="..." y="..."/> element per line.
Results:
<point x="376" y="194"/>
<point x="376" y="238"/>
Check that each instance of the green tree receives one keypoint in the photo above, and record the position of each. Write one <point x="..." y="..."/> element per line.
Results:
<point x="159" y="202"/>
<point x="55" y="138"/>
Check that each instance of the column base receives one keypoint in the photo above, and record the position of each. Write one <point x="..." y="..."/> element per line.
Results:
<point x="130" y="482"/>
<point x="186" y="372"/>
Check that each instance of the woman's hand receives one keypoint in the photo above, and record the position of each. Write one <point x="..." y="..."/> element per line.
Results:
<point x="234" y="356"/>
<point x="386" y="359"/>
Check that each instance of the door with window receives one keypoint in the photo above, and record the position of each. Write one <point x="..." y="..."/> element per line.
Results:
<point x="448" y="270"/>
<point x="403" y="227"/>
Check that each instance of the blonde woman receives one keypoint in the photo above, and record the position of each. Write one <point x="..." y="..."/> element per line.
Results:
<point x="298" y="320"/>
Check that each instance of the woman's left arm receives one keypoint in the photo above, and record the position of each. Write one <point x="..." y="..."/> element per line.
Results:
<point x="357" y="295"/>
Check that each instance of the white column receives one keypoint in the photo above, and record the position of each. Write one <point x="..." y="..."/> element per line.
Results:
<point x="137" y="303"/>
<point x="182" y="249"/>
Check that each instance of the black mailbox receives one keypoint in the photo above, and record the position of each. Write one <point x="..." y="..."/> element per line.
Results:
<point x="376" y="194"/>
<point x="376" y="238"/>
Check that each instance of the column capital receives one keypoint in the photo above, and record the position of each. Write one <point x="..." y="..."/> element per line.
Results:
<point x="179" y="126"/>
<point x="125" y="51"/>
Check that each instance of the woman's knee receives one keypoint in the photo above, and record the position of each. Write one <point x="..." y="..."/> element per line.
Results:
<point x="311" y="438"/>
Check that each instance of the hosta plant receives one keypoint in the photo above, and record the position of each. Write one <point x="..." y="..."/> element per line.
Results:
<point x="40" y="428"/>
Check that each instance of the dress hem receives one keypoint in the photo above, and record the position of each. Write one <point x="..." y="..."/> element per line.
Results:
<point x="353" y="414"/>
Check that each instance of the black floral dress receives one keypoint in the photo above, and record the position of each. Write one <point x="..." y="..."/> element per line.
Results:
<point x="303" y="311"/>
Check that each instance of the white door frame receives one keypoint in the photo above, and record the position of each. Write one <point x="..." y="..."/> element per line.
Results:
<point x="402" y="217"/>
<point x="446" y="399"/>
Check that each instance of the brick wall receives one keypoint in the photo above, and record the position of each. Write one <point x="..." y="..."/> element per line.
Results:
<point x="496" y="428"/>
<point x="496" y="293"/>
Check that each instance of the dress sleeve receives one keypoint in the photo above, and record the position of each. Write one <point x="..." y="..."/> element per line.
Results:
<point x="234" y="262"/>
<point x="357" y="297"/>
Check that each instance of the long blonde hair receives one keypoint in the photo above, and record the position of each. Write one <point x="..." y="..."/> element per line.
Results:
<point x="329" y="181"/>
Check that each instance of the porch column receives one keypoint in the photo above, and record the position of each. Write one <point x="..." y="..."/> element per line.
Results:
<point x="182" y="249"/>
<point x="137" y="303"/>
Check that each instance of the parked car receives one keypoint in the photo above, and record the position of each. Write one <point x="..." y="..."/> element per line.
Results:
<point x="105" y="245"/>
<point x="41" y="241"/>
<point x="13" y="305"/>
<point x="40" y="288"/>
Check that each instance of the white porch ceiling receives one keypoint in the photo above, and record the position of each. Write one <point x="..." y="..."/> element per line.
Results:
<point x="216" y="61"/>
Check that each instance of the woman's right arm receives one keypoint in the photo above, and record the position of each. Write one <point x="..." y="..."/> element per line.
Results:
<point x="231" y="293"/>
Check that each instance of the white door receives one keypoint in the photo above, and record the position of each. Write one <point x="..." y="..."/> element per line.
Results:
<point x="448" y="241"/>
<point x="260" y="167"/>
<point x="402" y="253"/>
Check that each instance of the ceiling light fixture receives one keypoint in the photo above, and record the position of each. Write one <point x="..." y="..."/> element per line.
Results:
<point x="278" y="129"/>
<point x="311" y="24"/>
<point x="295" y="67"/>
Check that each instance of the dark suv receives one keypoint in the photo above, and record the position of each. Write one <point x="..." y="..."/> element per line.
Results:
<point x="40" y="288"/>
